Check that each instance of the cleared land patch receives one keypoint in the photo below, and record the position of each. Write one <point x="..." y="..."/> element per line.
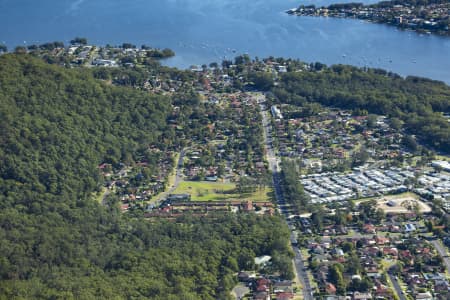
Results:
<point x="401" y="204"/>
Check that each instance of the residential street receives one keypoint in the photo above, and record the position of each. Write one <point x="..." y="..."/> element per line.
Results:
<point x="442" y="252"/>
<point x="398" y="289"/>
<point x="178" y="177"/>
<point x="179" y="171"/>
<point x="274" y="168"/>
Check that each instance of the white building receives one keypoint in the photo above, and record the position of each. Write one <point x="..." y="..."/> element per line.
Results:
<point x="442" y="164"/>
<point x="276" y="113"/>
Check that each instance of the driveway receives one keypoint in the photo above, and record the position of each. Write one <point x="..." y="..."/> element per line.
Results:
<point x="240" y="291"/>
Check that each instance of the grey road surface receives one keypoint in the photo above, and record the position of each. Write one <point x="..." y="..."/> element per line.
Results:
<point x="274" y="167"/>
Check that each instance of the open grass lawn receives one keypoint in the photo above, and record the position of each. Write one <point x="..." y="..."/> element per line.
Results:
<point x="217" y="191"/>
<point x="442" y="157"/>
<point x="98" y="196"/>
<point x="305" y="254"/>
<point x="386" y="264"/>
<point x="217" y="142"/>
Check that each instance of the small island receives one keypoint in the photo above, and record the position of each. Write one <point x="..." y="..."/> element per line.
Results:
<point x="423" y="16"/>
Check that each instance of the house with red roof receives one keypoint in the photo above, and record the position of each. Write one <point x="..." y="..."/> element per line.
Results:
<point x="391" y="251"/>
<point x="330" y="289"/>
<point x="380" y="240"/>
<point x="369" y="228"/>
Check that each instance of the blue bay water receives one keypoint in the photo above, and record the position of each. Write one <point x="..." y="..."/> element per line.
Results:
<point x="203" y="31"/>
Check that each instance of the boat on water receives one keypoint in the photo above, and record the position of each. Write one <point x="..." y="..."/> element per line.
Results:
<point x="291" y="11"/>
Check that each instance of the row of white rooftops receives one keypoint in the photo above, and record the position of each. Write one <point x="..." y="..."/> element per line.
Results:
<point x="436" y="184"/>
<point x="334" y="186"/>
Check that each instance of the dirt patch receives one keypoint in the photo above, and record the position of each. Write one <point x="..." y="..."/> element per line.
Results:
<point x="402" y="205"/>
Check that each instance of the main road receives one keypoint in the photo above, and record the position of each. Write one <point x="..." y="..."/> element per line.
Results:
<point x="274" y="167"/>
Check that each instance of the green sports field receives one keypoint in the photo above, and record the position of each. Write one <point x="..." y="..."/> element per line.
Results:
<point x="217" y="191"/>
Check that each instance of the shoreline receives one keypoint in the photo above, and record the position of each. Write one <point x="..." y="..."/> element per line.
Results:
<point x="403" y="17"/>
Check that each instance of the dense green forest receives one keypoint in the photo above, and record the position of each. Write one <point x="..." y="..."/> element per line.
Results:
<point x="92" y="254"/>
<point x="418" y="102"/>
<point x="56" y="126"/>
<point x="292" y="188"/>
